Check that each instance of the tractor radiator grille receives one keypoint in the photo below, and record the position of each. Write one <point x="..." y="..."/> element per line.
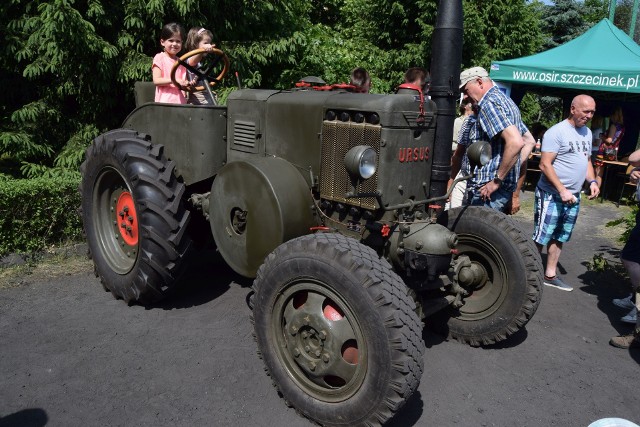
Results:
<point x="338" y="138"/>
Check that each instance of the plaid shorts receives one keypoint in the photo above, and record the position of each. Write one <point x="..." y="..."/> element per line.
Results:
<point x="553" y="219"/>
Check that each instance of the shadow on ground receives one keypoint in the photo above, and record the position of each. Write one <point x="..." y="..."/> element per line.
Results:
<point x="607" y="279"/>
<point x="32" y="417"/>
<point x="208" y="276"/>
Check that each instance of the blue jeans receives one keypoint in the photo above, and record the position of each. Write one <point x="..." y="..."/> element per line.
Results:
<point x="498" y="200"/>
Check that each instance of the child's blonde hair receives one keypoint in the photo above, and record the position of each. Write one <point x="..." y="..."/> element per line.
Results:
<point x="195" y="36"/>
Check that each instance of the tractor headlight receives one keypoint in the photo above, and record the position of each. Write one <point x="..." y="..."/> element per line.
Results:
<point x="361" y="161"/>
<point x="479" y="153"/>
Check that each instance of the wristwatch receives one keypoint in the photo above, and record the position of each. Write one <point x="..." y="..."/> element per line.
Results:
<point x="497" y="179"/>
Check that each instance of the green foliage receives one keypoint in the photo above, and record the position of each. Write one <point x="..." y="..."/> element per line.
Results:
<point x="609" y="271"/>
<point x="622" y="19"/>
<point x="598" y="263"/>
<point x="629" y="221"/>
<point x="498" y="30"/>
<point x="593" y="11"/>
<point x="567" y="19"/>
<point x="37" y="213"/>
<point x="545" y="110"/>
<point x="69" y="65"/>
<point x="563" y="22"/>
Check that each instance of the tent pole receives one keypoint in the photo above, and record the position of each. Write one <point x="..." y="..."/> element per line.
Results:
<point x="632" y="26"/>
<point x="612" y="9"/>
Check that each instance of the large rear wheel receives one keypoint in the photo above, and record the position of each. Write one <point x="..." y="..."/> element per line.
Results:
<point x="507" y="277"/>
<point x="133" y="216"/>
<point x="337" y="330"/>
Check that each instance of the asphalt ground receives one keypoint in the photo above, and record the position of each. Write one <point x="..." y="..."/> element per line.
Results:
<point x="74" y="356"/>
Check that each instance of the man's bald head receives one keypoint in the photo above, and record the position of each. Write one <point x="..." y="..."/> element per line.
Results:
<point x="583" y="108"/>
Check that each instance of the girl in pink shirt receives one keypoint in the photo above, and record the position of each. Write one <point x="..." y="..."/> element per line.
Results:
<point x="171" y="41"/>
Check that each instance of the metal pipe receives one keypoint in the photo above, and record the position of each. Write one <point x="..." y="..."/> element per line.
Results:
<point x="446" y="56"/>
<point x="612" y="9"/>
<point x="634" y="15"/>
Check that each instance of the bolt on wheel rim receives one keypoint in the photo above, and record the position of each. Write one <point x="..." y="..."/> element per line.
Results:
<point x="487" y="297"/>
<point x="115" y="220"/>
<point x="127" y="221"/>
<point x="319" y="340"/>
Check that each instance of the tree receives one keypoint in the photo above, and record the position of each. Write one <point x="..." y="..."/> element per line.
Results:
<point x="622" y="18"/>
<point x="69" y="65"/>
<point x="80" y="58"/>
<point x="499" y="29"/>
<point x="593" y="11"/>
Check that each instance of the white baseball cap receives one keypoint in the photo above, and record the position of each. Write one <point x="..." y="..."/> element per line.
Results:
<point x="470" y="74"/>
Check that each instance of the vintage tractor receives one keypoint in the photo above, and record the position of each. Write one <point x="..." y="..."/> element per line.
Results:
<point x="332" y="201"/>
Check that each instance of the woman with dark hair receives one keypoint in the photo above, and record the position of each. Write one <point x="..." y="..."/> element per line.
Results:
<point x="608" y="149"/>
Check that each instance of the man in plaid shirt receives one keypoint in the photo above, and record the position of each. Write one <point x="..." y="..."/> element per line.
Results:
<point x="495" y="184"/>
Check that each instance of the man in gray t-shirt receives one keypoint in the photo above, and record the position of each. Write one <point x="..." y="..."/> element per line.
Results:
<point x="572" y="148"/>
<point x="565" y="162"/>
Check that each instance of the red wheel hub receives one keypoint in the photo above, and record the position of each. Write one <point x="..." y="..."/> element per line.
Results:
<point x="127" y="219"/>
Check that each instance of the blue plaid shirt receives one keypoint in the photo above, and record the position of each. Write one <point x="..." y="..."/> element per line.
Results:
<point x="496" y="113"/>
<point x="466" y="137"/>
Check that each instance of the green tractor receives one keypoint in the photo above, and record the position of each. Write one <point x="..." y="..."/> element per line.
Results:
<point x="332" y="201"/>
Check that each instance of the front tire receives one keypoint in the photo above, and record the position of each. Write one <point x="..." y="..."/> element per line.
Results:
<point x="512" y="288"/>
<point x="337" y="331"/>
<point x="133" y="216"/>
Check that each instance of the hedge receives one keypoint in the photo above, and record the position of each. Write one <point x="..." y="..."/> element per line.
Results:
<point x="38" y="213"/>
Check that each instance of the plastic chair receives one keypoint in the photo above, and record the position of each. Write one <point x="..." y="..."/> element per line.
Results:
<point x="144" y="92"/>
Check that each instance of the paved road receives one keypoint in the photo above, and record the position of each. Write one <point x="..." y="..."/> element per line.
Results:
<point x="73" y="356"/>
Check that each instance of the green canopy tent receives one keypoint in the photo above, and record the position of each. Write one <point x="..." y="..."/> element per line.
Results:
<point x="602" y="59"/>
<point x="604" y="62"/>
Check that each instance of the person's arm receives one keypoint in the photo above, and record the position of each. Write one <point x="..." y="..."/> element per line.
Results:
<point x="634" y="158"/>
<point x="594" y="187"/>
<point x="513" y="144"/>
<point x="610" y="134"/>
<point x="546" y="167"/>
<point x="158" y="80"/>
<point x="195" y="59"/>
<point x="529" y="144"/>
<point x="456" y="161"/>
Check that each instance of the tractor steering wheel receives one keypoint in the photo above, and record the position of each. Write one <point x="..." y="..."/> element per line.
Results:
<point x="206" y="73"/>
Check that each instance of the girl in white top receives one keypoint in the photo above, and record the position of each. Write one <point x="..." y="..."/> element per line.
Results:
<point x="198" y="38"/>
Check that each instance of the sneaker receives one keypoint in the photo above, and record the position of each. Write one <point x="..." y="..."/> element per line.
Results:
<point x="631" y="317"/>
<point x="624" y="302"/>
<point x="626" y="341"/>
<point x="556" y="282"/>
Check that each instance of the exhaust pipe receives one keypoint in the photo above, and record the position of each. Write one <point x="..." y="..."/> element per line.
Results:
<point x="446" y="56"/>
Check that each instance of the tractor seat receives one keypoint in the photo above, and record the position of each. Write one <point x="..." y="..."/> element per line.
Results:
<point x="145" y="92"/>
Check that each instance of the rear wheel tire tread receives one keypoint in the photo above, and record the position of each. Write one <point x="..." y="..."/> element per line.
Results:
<point x="163" y="245"/>
<point x="530" y="261"/>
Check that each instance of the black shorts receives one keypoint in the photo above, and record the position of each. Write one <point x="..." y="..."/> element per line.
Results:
<point x="631" y="250"/>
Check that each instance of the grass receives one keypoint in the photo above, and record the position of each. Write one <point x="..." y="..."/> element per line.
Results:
<point x="67" y="261"/>
<point x="56" y="263"/>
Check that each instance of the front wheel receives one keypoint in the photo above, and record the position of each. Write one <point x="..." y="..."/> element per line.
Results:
<point x="507" y="270"/>
<point x="337" y="330"/>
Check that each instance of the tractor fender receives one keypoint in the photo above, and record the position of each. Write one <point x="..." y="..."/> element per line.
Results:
<point x="256" y="205"/>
